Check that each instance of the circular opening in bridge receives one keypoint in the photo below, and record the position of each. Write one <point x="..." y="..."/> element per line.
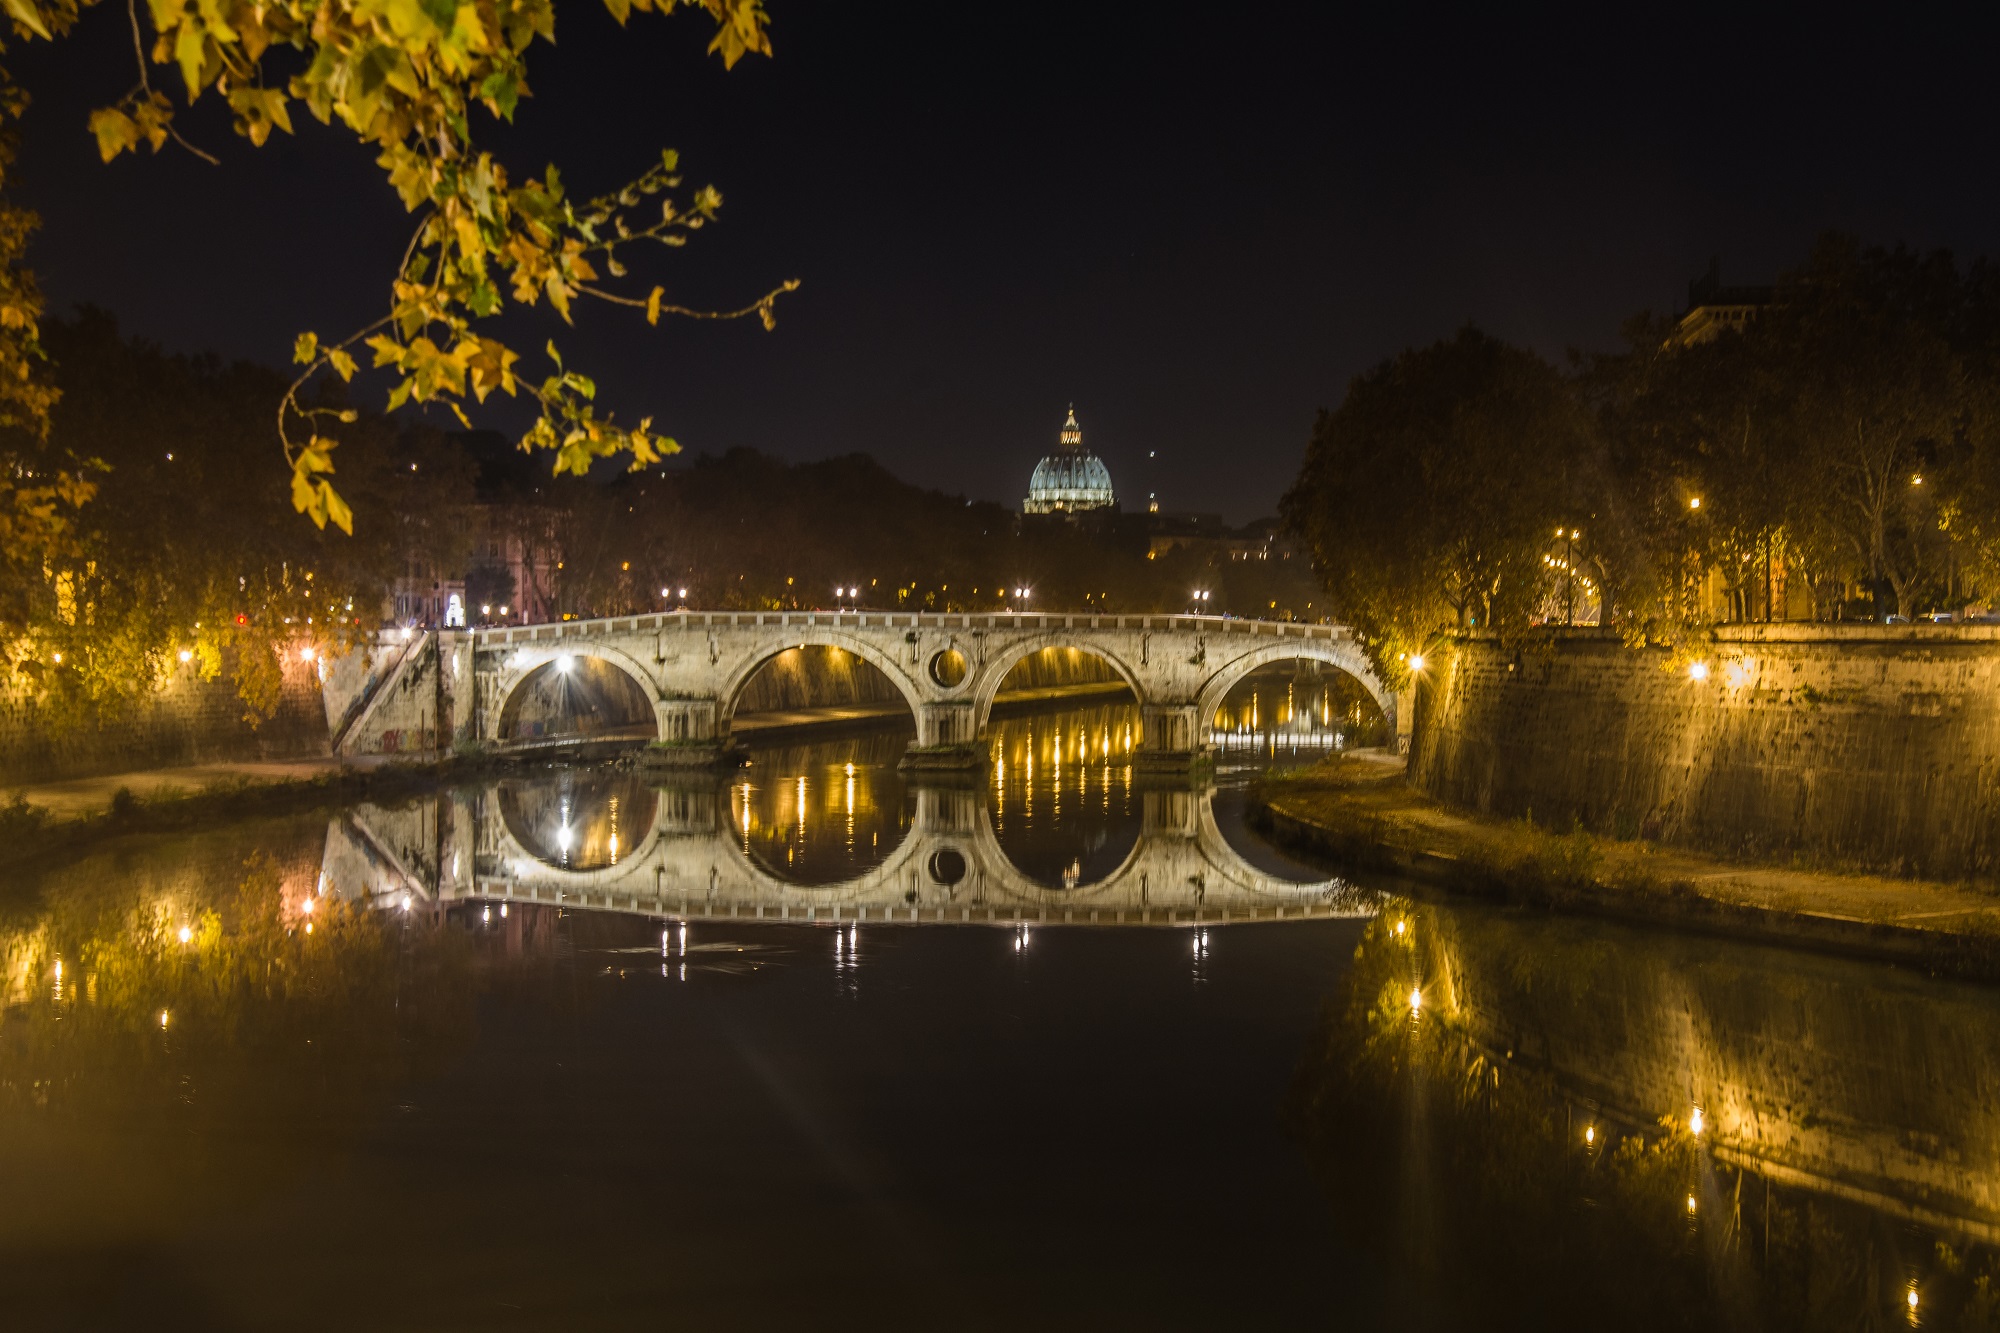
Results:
<point x="1296" y="711"/>
<point x="577" y="699"/>
<point x="947" y="867"/>
<point x="582" y="819"/>
<point x="948" y="668"/>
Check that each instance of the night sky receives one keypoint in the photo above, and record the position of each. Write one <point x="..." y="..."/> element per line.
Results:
<point x="1195" y="223"/>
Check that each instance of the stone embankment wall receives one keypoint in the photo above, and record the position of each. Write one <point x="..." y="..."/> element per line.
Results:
<point x="818" y="677"/>
<point x="190" y="721"/>
<point x="1876" y="745"/>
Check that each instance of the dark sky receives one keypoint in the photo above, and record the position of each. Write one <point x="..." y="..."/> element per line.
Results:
<point x="1196" y="223"/>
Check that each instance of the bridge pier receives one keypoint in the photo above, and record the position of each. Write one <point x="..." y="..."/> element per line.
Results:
<point x="1170" y="737"/>
<point x="690" y="735"/>
<point x="947" y="737"/>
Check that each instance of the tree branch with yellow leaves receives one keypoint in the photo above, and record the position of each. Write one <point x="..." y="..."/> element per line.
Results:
<point x="406" y="76"/>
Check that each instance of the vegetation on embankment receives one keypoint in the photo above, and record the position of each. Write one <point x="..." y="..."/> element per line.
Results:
<point x="32" y="833"/>
<point x="1359" y="814"/>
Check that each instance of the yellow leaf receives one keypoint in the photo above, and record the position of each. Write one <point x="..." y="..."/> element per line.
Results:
<point x="115" y="132"/>
<point x="341" y="362"/>
<point x="337" y="510"/>
<point x="28" y="16"/>
<point x="653" y="305"/>
<point x="188" y="44"/>
<point x="306" y="348"/>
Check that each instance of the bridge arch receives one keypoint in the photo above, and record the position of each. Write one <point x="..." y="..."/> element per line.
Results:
<point x="1345" y="656"/>
<point x="993" y="672"/>
<point x="730" y="692"/>
<point x="627" y="682"/>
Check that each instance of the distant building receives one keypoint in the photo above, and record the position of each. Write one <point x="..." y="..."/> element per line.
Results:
<point x="493" y="561"/>
<point x="1714" y="309"/>
<point x="1072" y="480"/>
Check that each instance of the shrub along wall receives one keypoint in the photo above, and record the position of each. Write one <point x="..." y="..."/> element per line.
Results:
<point x="189" y="722"/>
<point x="1877" y="745"/>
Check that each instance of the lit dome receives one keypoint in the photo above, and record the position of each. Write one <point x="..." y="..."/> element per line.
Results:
<point x="1071" y="478"/>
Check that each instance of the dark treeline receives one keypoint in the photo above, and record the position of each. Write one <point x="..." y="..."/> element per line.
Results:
<point x="747" y="532"/>
<point x="189" y="557"/>
<point x="1824" y="449"/>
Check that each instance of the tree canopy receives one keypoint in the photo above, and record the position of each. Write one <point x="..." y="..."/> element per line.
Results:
<point x="1427" y="498"/>
<point x="1833" y="453"/>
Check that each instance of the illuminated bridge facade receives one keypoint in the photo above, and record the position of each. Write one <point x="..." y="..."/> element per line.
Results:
<point x="446" y="687"/>
<point x="690" y="860"/>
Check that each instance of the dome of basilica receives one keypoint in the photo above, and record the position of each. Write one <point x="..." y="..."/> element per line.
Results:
<point x="1070" y="479"/>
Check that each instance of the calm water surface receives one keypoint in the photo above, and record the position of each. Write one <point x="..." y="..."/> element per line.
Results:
<point x="428" y="1067"/>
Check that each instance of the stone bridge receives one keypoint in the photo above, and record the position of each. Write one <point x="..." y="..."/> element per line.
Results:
<point x="687" y="858"/>
<point x="427" y="693"/>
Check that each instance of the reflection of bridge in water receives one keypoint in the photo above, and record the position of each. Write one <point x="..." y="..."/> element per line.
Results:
<point x="615" y="843"/>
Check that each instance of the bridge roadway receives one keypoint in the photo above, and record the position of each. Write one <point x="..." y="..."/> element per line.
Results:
<point x="691" y="860"/>
<point x="466" y="687"/>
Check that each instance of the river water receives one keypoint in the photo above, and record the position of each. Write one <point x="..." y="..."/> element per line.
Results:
<point x="1058" y="1045"/>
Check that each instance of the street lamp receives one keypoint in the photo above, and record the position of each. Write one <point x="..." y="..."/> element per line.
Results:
<point x="1200" y="597"/>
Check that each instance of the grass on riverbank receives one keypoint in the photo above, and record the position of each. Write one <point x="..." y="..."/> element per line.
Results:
<point x="31" y="833"/>
<point x="1357" y="811"/>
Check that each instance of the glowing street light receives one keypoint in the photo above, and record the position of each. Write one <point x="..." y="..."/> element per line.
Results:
<point x="1694" y="502"/>
<point x="1416" y="999"/>
<point x="1698" y="671"/>
<point x="1416" y="661"/>
<point x="565" y="662"/>
<point x="186" y="655"/>
<point x="186" y="934"/>
<point x="1695" y="1122"/>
